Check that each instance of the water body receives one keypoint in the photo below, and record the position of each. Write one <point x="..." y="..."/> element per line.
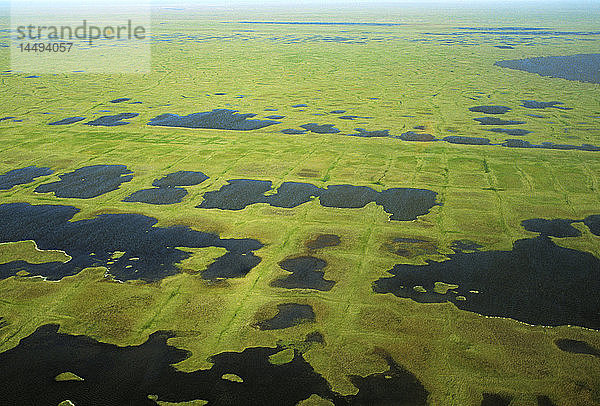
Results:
<point x="361" y="132"/>
<point x="149" y="250"/>
<point x="22" y="176"/>
<point x="581" y="67"/>
<point x="181" y="178"/>
<point x="288" y="315"/>
<point x="299" y="105"/>
<point x="415" y="136"/>
<point x="323" y="241"/>
<point x="275" y="117"/>
<point x="403" y="204"/>
<point x="457" y="139"/>
<point x="112" y="121"/>
<point x="306" y="274"/>
<point x="320" y="128"/>
<point x="496" y="399"/>
<point x="555" y="227"/>
<point x="497" y="121"/>
<point x="162" y="195"/>
<point x="337" y="111"/>
<point x="490" y="109"/>
<point x="515" y="143"/>
<point x="515" y="132"/>
<point x="593" y="223"/>
<point x="218" y="119"/>
<point x="88" y="182"/>
<point x="113" y="375"/>
<point x="120" y="100"/>
<point x="576" y="347"/>
<point x="293" y="131"/>
<point x="68" y="120"/>
<point x="537" y="282"/>
<point x="533" y="104"/>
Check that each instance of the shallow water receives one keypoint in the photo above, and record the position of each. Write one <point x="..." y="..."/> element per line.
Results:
<point x="88" y="182"/>
<point x="306" y="274"/>
<point x="92" y="242"/>
<point x="22" y="176"/>
<point x="581" y="67"/>
<point x="218" y="119"/>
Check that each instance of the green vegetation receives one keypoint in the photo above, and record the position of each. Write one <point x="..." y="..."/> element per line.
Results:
<point x="485" y="192"/>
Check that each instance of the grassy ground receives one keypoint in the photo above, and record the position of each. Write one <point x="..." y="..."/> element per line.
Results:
<point x="485" y="193"/>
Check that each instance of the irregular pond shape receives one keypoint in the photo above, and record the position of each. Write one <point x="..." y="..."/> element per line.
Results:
<point x="496" y="399"/>
<point x="543" y="400"/>
<point x="411" y="247"/>
<point x="504" y="46"/>
<point x="68" y="120"/>
<point x="306" y="274"/>
<point x="88" y="182"/>
<point x="515" y="132"/>
<point x="288" y="315"/>
<point x="275" y="117"/>
<point x="457" y="139"/>
<point x="112" y="121"/>
<point x="533" y="104"/>
<point x="414" y="136"/>
<point x="158" y="195"/>
<point x="180" y="178"/>
<point x="593" y="223"/>
<point x="293" y="131"/>
<point x="402" y="203"/>
<point x="92" y="242"/>
<point x="396" y="386"/>
<point x="6" y="118"/>
<point x="320" y="128"/>
<point x="419" y="127"/>
<point x="361" y="132"/>
<point x="337" y="111"/>
<point x="497" y="121"/>
<point x="516" y="143"/>
<point x="217" y="119"/>
<point x="465" y="246"/>
<point x="581" y="67"/>
<point x="115" y="375"/>
<point x="300" y="105"/>
<point x="120" y="100"/>
<point x="555" y="228"/>
<point x="490" y="109"/>
<point x="576" y="347"/>
<point x="323" y="241"/>
<point x="537" y="282"/>
<point x="350" y="117"/>
<point x="22" y="176"/>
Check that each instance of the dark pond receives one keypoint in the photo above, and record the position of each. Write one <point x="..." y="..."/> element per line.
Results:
<point x="306" y="274"/>
<point x="323" y="241"/>
<point x="515" y="132"/>
<point x="218" y="119"/>
<point x="402" y="203"/>
<point x="300" y="105"/>
<point x="414" y="136"/>
<point x="293" y="131"/>
<point x="581" y="67"/>
<point x="458" y="139"/>
<point x="533" y="104"/>
<point x="288" y="315"/>
<point x="158" y="195"/>
<point x="497" y="121"/>
<point x="149" y="251"/>
<point x="495" y="399"/>
<point x="576" y="347"/>
<point x="88" y="182"/>
<point x="112" y="375"/>
<point x="516" y="143"/>
<point x="555" y="228"/>
<point x="361" y="132"/>
<point x="68" y="120"/>
<point x="320" y="128"/>
<point x="22" y="176"/>
<point x="120" y="100"/>
<point x="490" y="109"/>
<point x="112" y="121"/>
<point x="180" y="178"/>
<point x="275" y="117"/>
<point x="537" y="282"/>
<point x="593" y="223"/>
<point x="337" y="111"/>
